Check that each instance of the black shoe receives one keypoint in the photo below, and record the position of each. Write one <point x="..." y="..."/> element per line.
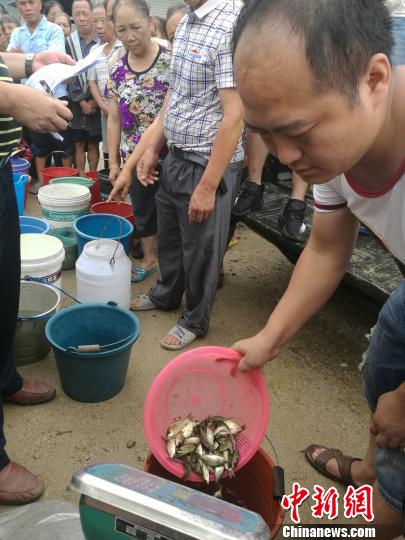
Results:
<point x="250" y="199"/>
<point x="291" y="220"/>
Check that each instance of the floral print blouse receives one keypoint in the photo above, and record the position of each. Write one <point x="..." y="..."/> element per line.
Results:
<point x="139" y="97"/>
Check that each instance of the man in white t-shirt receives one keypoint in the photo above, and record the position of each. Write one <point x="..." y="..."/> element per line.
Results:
<point x="336" y="116"/>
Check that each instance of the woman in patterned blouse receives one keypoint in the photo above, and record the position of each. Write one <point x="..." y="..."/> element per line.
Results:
<point x="137" y="88"/>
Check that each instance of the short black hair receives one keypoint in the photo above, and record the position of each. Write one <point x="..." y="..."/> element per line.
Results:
<point x="340" y="36"/>
<point x="171" y="10"/>
<point x="46" y="8"/>
<point x="140" y="5"/>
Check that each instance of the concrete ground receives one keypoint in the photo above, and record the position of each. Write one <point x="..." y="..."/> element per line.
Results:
<point x="314" y="386"/>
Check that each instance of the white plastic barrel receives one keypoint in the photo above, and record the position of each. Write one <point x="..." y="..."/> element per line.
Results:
<point x="103" y="273"/>
<point x="62" y="204"/>
<point x="42" y="256"/>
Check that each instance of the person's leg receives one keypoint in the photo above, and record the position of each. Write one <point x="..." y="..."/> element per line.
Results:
<point x="67" y="161"/>
<point x="203" y="248"/>
<point x="93" y="155"/>
<point x="251" y="197"/>
<point x="80" y="156"/>
<point x="388" y="521"/>
<point x="169" y="289"/>
<point x="40" y="164"/>
<point x="291" y="219"/>
<point x="143" y="203"/>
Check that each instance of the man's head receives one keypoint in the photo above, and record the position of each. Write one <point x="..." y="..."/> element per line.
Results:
<point x="109" y="5"/>
<point x="9" y="24"/>
<point x="81" y="13"/>
<point x="30" y="11"/>
<point x="99" y="19"/>
<point x="173" y="17"/>
<point x="315" y="79"/>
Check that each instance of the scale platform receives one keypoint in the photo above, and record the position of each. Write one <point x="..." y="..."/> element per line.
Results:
<point x="118" y="502"/>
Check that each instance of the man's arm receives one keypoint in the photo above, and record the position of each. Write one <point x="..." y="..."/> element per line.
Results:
<point x="318" y="272"/>
<point x="203" y="199"/>
<point x="13" y="40"/>
<point x="16" y="61"/>
<point x="147" y="162"/>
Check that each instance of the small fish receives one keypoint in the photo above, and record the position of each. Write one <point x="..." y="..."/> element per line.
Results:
<point x="185" y="449"/>
<point x="233" y="427"/>
<point x="192" y="440"/>
<point x="219" y="471"/>
<point x="199" y="450"/>
<point x="205" y="473"/>
<point x="203" y="437"/>
<point x="221" y="430"/>
<point x="188" y="429"/>
<point x="210" y="436"/>
<point x="171" y="448"/>
<point x="213" y="460"/>
<point x="178" y="426"/>
<point x="179" y="438"/>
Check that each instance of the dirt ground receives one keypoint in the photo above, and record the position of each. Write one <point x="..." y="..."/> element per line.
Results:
<point x="314" y="386"/>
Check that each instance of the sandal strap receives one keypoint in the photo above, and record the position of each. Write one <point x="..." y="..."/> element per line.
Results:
<point x="344" y="463"/>
<point x="182" y="334"/>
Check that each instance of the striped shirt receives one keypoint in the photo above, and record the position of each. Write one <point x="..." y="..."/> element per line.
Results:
<point x="10" y="132"/>
<point x="201" y="65"/>
<point x="99" y="72"/>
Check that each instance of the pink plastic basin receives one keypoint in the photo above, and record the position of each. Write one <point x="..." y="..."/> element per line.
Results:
<point x="195" y="383"/>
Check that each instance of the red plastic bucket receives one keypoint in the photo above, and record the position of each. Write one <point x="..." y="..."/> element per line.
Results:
<point x="251" y="488"/>
<point x="96" y="189"/>
<point x="122" y="209"/>
<point x="48" y="173"/>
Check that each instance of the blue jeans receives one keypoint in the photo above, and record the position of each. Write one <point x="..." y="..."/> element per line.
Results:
<point x="384" y="371"/>
<point x="398" y="52"/>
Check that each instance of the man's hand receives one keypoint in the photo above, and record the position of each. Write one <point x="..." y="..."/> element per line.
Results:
<point x="16" y="50"/>
<point x="87" y="107"/>
<point x="105" y="110"/>
<point x="36" y="110"/>
<point x="122" y="185"/>
<point x="44" y="58"/>
<point x="255" y="352"/>
<point x="202" y="204"/>
<point x="146" y="168"/>
<point x="388" y="422"/>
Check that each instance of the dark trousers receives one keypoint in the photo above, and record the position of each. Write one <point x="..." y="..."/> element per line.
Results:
<point x="190" y="255"/>
<point x="143" y="203"/>
<point x="10" y="380"/>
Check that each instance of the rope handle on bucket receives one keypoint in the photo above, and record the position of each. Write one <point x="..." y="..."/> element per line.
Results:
<point x="97" y="347"/>
<point x="112" y="260"/>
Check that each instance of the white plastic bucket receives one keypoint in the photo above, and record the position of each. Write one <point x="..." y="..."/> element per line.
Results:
<point x="42" y="256"/>
<point x="103" y="273"/>
<point x="62" y="204"/>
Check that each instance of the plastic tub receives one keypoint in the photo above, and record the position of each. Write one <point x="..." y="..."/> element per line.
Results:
<point x="122" y="209"/>
<point x="251" y="488"/>
<point x="62" y="204"/>
<point x="69" y="241"/>
<point x="48" y="173"/>
<point x="21" y="166"/>
<point x="95" y="226"/>
<point x="96" y="191"/>
<point x="91" y="377"/>
<point x="98" y="280"/>
<point x="38" y="302"/>
<point x="29" y="224"/>
<point x="196" y="383"/>
<point x="42" y="256"/>
<point x="20" y="182"/>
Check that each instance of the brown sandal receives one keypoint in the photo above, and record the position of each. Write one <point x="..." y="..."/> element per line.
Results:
<point x="343" y="462"/>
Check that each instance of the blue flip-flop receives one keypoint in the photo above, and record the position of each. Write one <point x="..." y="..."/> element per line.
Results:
<point x="139" y="273"/>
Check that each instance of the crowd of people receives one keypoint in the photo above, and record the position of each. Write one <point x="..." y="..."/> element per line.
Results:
<point x="175" y="104"/>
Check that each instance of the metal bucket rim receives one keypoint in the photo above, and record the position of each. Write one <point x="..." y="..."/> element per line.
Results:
<point x="48" y="313"/>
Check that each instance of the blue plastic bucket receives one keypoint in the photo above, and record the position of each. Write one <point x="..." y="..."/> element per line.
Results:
<point x="91" y="377"/>
<point x="94" y="226"/>
<point x="19" y="187"/>
<point x="20" y="165"/>
<point x="34" y="225"/>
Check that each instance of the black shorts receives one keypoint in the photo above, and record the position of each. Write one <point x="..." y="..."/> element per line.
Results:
<point x="43" y="144"/>
<point x="143" y="203"/>
<point x="82" y="135"/>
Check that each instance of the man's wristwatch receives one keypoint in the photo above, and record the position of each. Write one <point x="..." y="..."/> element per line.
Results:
<point x="29" y="59"/>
